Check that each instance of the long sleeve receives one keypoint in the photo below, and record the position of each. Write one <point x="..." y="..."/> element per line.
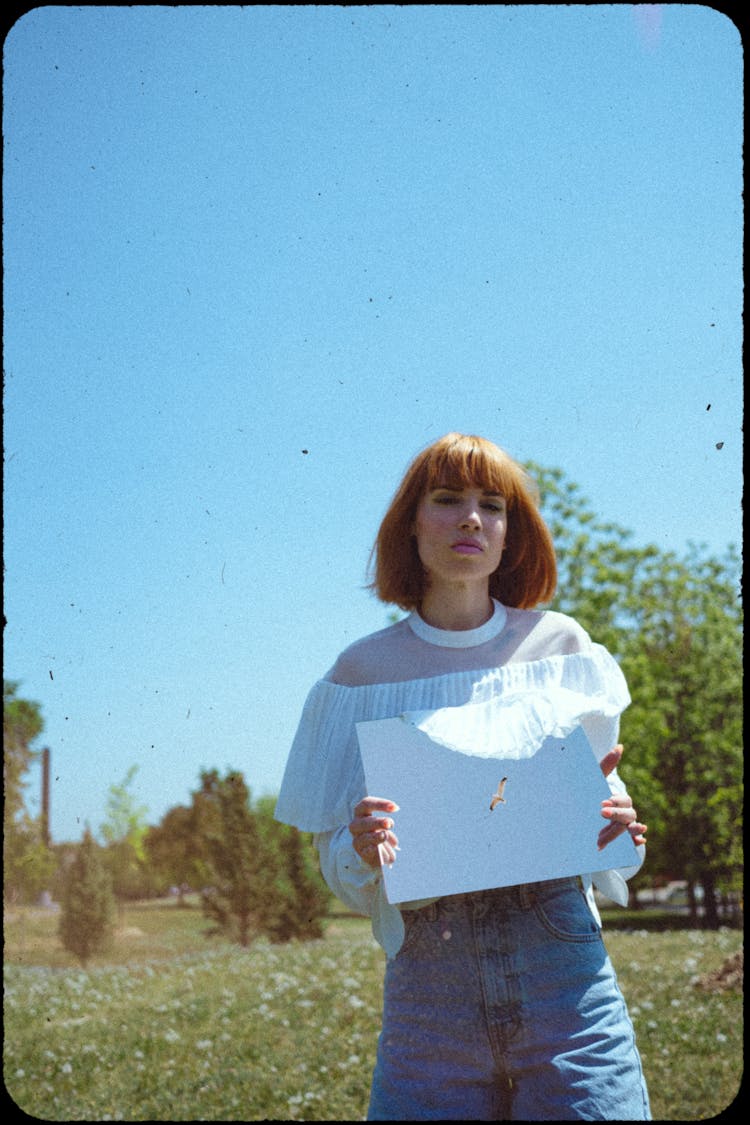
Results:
<point x="613" y="882"/>
<point x="359" y="886"/>
<point x="603" y="733"/>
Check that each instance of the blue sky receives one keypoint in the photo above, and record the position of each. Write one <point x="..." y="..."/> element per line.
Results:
<point x="257" y="257"/>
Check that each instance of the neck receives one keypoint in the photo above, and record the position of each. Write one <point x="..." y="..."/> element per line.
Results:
<point x="456" y="608"/>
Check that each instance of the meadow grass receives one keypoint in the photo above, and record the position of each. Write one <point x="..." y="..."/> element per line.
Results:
<point x="168" y="1025"/>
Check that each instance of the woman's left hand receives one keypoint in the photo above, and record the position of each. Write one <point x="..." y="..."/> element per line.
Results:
<point x="618" y="809"/>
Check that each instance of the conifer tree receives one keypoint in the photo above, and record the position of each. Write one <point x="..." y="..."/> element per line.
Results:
<point x="257" y="876"/>
<point x="87" y="912"/>
<point x="234" y="897"/>
<point x="299" y="899"/>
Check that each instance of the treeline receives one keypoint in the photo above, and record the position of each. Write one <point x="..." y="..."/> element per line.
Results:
<point x="675" y="625"/>
<point x="253" y="875"/>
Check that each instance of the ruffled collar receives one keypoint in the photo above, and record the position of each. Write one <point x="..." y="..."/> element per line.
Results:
<point x="460" y="638"/>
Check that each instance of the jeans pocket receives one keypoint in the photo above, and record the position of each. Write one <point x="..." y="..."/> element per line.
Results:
<point x="564" y="913"/>
<point x="416" y="923"/>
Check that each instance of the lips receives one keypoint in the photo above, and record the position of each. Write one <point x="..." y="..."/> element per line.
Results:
<point x="468" y="547"/>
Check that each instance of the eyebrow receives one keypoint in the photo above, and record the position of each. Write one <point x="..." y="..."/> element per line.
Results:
<point x="453" y="488"/>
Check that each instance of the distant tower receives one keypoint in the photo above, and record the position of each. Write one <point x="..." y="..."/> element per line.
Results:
<point x="45" y="797"/>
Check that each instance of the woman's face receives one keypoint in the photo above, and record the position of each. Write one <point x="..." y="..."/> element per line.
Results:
<point x="460" y="533"/>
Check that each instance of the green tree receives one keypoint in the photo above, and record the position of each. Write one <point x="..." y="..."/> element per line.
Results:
<point x="86" y="916"/>
<point x="29" y="865"/>
<point x="234" y="899"/>
<point x="174" y="851"/>
<point x="257" y="876"/>
<point x="123" y="832"/>
<point x="675" y="624"/>
<point x="300" y="898"/>
<point x="687" y="667"/>
<point x="22" y="724"/>
<point x="27" y="861"/>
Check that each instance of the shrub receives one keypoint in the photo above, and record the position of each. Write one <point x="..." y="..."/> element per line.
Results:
<point x="87" y="913"/>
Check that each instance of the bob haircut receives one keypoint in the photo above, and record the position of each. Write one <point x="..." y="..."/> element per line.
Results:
<point x="527" y="574"/>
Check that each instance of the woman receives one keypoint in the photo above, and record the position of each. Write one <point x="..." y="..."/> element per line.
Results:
<point x="498" y="1004"/>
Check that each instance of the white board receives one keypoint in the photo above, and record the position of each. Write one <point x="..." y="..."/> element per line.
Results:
<point x="450" y="842"/>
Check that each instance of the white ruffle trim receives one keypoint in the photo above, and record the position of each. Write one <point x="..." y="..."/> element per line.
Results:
<point x="512" y="726"/>
<point x="490" y="711"/>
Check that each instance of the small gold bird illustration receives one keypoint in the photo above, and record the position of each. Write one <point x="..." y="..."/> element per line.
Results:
<point x="498" y="797"/>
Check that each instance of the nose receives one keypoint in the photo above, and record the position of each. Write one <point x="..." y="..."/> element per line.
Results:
<point x="470" y="517"/>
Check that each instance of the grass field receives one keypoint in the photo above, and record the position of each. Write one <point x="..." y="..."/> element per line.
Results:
<point x="168" y="1025"/>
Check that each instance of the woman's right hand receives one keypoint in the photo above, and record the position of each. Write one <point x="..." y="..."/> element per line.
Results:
<point x="374" y="841"/>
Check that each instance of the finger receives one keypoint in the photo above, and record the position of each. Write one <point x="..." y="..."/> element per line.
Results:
<point x="608" y="834"/>
<point x="370" y="825"/>
<point x="616" y="828"/>
<point x="620" y="817"/>
<point x="387" y="854"/>
<point x="366" y="842"/>
<point x="369" y="805"/>
<point x="377" y="848"/>
<point x="370" y="855"/>
<point x="638" y="833"/>
<point x="611" y="760"/>
<point x="371" y="841"/>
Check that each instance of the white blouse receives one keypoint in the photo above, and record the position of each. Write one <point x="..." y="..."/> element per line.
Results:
<point x="498" y="690"/>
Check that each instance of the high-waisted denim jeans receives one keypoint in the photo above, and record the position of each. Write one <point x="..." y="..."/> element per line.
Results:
<point x="503" y="1005"/>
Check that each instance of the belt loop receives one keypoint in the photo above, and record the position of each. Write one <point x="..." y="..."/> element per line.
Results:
<point x="525" y="895"/>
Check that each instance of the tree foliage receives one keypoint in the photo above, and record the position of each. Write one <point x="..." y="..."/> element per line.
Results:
<point x="687" y="664"/>
<point x="27" y="861"/>
<point x="235" y="897"/>
<point x="87" y="908"/>
<point x="675" y="625"/>
<point x="22" y="724"/>
<point x="256" y="876"/>
<point x="173" y="855"/>
<point x="124" y="831"/>
<point x="300" y="898"/>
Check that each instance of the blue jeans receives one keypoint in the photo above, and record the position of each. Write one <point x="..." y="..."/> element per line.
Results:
<point x="503" y="1005"/>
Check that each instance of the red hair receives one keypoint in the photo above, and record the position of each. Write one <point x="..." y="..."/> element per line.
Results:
<point x="527" y="575"/>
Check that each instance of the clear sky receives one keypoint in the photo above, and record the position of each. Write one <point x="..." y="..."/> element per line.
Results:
<point x="257" y="257"/>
